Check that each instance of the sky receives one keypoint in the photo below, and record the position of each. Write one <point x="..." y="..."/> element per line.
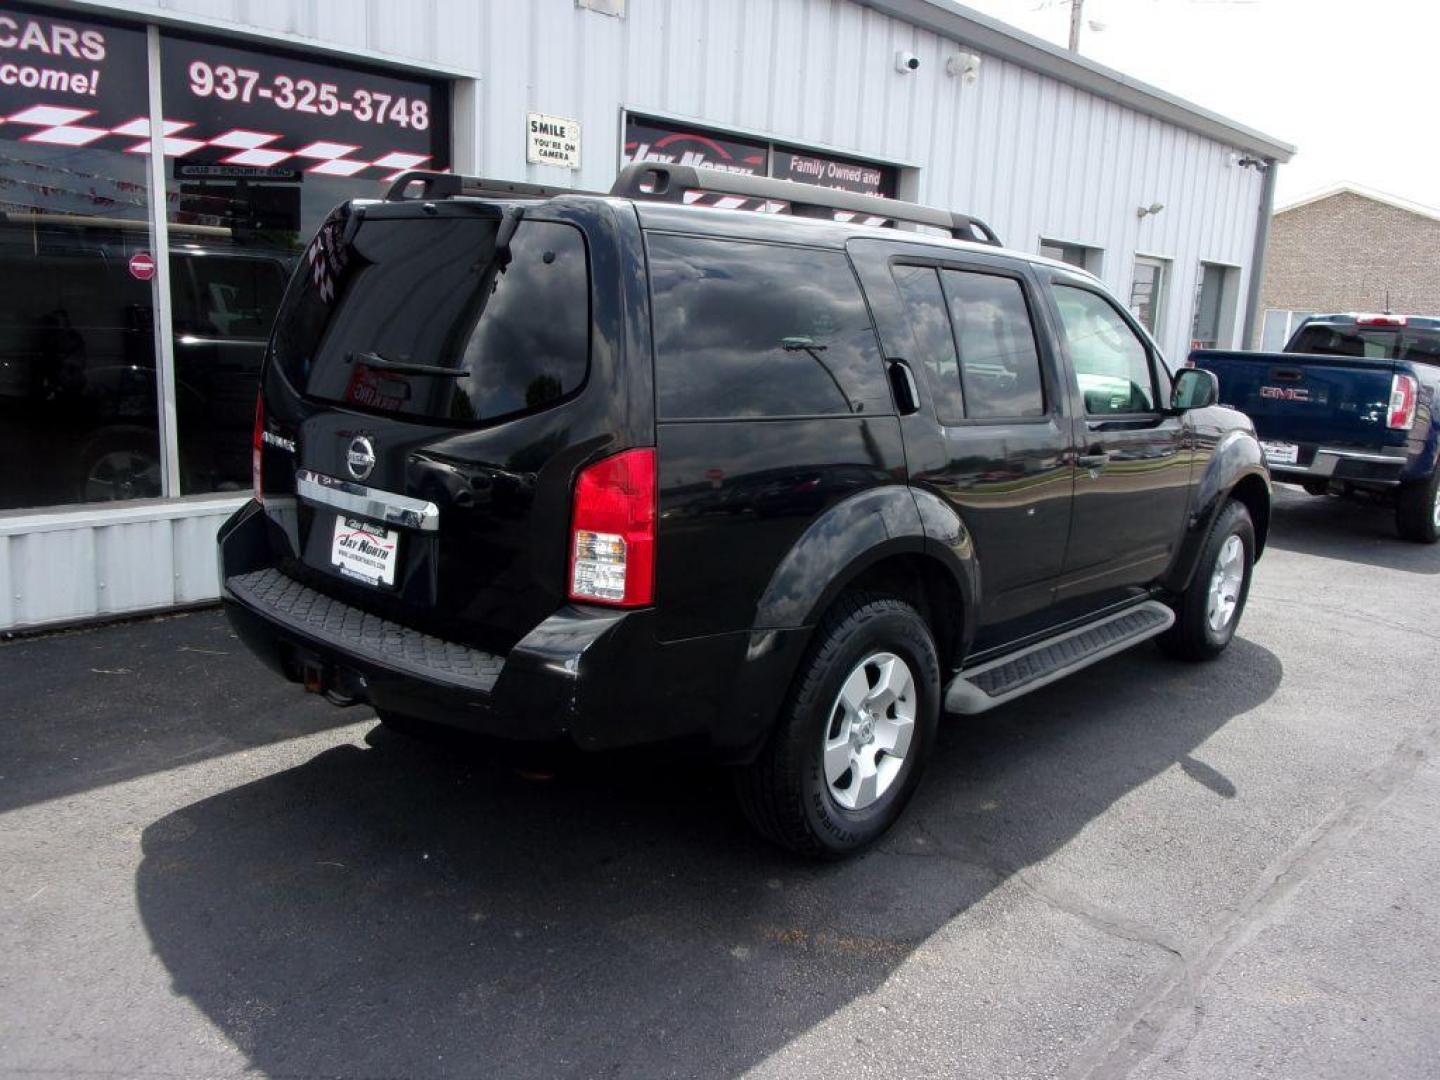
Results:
<point x="1352" y="85"/>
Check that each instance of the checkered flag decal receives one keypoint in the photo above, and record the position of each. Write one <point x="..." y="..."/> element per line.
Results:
<point x="58" y="125"/>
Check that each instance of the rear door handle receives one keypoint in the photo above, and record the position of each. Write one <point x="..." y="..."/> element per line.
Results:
<point x="1093" y="462"/>
<point x="902" y="385"/>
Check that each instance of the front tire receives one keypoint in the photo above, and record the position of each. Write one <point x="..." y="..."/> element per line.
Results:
<point x="852" y="739"/>
<point x="1417" y="510"/>
<point x="1208" y="611"/>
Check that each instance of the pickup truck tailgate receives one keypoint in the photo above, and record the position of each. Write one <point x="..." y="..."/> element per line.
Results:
<point x="1308" y="399"/>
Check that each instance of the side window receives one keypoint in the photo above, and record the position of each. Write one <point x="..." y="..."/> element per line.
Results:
<point x="925" y="304"/>
<point x="746" y="330"/>
<point x="999" y="361"/>
<point x="1111" y="362"/>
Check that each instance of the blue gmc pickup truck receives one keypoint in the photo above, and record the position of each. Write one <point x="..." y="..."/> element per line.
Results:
<point x="1347" y="408"/>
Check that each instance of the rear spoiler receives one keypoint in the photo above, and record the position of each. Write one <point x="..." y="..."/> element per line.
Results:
<point x="690" y="185"/>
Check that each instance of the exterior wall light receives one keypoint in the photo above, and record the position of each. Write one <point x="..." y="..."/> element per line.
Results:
<point x="1153" y="208"/>
<point x="964" y="66"/>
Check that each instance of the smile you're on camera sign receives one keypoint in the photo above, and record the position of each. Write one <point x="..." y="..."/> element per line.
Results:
<point x="552" y="140"/>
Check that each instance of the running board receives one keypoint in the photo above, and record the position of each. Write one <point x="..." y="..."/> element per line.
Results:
<point x="994" y="683"/>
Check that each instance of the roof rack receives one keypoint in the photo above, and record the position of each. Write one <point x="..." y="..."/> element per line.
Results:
<point x="694" y="186"/>
<point x="421" y="185"/>
<point x="691" y="185"/>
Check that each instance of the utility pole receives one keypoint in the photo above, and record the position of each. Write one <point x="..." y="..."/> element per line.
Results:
<point x="1075" y="8"/>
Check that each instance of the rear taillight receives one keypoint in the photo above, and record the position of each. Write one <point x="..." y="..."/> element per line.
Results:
<point x="612" y="531"/>
<point x="1404" y="391"/>
<point x="257" y="451"/>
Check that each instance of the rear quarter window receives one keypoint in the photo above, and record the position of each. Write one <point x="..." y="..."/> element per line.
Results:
<point x="755" y="330"/>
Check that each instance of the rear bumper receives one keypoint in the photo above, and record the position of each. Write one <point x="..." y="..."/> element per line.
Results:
<point x="595" y="677"/>
<point x="1345" y="465"/>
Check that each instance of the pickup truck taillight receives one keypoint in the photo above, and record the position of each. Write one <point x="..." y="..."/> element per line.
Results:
<point x="612" y="531"/>
<point x="257" y="451"/>
<point x="1404" y="393"/>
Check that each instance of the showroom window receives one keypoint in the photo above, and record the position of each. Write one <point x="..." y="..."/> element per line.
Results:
<point x="651" y="139"/>
<point x="258" y="145"/>
<point x="77" y="342"/>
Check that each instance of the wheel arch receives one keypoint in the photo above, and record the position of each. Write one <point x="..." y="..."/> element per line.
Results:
<point x="1236" y="469"/>
<point x="874" y="541"/>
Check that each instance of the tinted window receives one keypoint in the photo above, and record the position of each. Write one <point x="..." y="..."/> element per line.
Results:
<point x="218" y="295"/>
<point x="429" y="291"/>
<point x="760" y="330"/>
<point x="1336" y="341"/>
<point x="925" y="304"/>
<point x="999" y="363"/>
<point x="1111" y="362"/>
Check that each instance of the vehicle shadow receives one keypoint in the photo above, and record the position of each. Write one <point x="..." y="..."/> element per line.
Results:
<point x="105" y="704"/>
<point x="1334" y="528"/>
<point x="399" y="909"/>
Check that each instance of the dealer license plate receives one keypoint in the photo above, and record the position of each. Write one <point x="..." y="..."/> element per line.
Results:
<point x="364" y="551"/>
<point x="1281" y="453"/>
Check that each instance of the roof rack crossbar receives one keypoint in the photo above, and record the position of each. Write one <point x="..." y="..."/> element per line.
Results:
<point x="420" y="185"/>
<point x="656" y="181"/>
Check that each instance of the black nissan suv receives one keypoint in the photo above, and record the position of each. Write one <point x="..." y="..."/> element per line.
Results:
<point x="627" y="469"/>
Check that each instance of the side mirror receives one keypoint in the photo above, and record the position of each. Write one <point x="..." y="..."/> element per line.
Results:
<point x="1194" y="388"/>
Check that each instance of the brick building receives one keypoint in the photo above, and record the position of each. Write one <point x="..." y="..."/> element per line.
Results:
<point x="1345" y="249"/>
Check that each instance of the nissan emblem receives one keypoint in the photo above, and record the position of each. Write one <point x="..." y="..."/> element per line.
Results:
<point x="360" y="458"/>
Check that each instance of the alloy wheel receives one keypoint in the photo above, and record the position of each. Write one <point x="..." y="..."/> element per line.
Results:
<point x="1225" y="584"/>
<point x="869" y="730"/>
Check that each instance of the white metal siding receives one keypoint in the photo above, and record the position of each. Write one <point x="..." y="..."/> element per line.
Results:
<point x="1031" y="155"/>
<point x="59" y="566"/>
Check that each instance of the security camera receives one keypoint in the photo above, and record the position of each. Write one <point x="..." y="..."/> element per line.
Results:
<point x="906" y="62"/>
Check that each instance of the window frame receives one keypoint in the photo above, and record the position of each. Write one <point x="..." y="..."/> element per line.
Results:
<point x="1159" y="387"/>
<point x="1160" y="300"/>
<point x="930" y="265"/>
<point x="1044" y="359"/>
<point x="1093" y="256"/>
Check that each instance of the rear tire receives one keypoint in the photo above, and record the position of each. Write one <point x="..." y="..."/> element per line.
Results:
<point x="1417" y="510"/>
<point x="1208" y="611"/>
<point x="856" y="729"/>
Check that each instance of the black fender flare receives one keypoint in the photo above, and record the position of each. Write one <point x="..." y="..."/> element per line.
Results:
<point x="852" y="536"/>
<point x="838" y="546"/>
<point x="1237" y="465"/>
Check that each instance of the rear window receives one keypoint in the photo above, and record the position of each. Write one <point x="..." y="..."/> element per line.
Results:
<point x="1418" y="345"/>
<point x="749" y="330"/>
<point x="427" y="291"/>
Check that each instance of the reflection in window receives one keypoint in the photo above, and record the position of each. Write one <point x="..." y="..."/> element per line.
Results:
<point x="1147" y="291"/>
<point x="925" y="305"/>
<point x="1112" y="364"/>
<point x="746" y="330"/>
<point x="999" y="363"/>
<point x="77" y="345"/>
<point x="428" y="291"/>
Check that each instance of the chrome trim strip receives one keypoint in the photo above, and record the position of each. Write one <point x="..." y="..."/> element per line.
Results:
<point x="1397" y="459"/>
<point x="368" y="502"/>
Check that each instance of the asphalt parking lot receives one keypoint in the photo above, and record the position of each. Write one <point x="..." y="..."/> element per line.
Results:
<point x="1149" y="870"/>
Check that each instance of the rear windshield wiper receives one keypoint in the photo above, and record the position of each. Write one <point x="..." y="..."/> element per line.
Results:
<point x="400" y="367"/>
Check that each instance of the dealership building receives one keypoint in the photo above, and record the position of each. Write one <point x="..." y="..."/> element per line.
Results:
<point x="163" y="165"/>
